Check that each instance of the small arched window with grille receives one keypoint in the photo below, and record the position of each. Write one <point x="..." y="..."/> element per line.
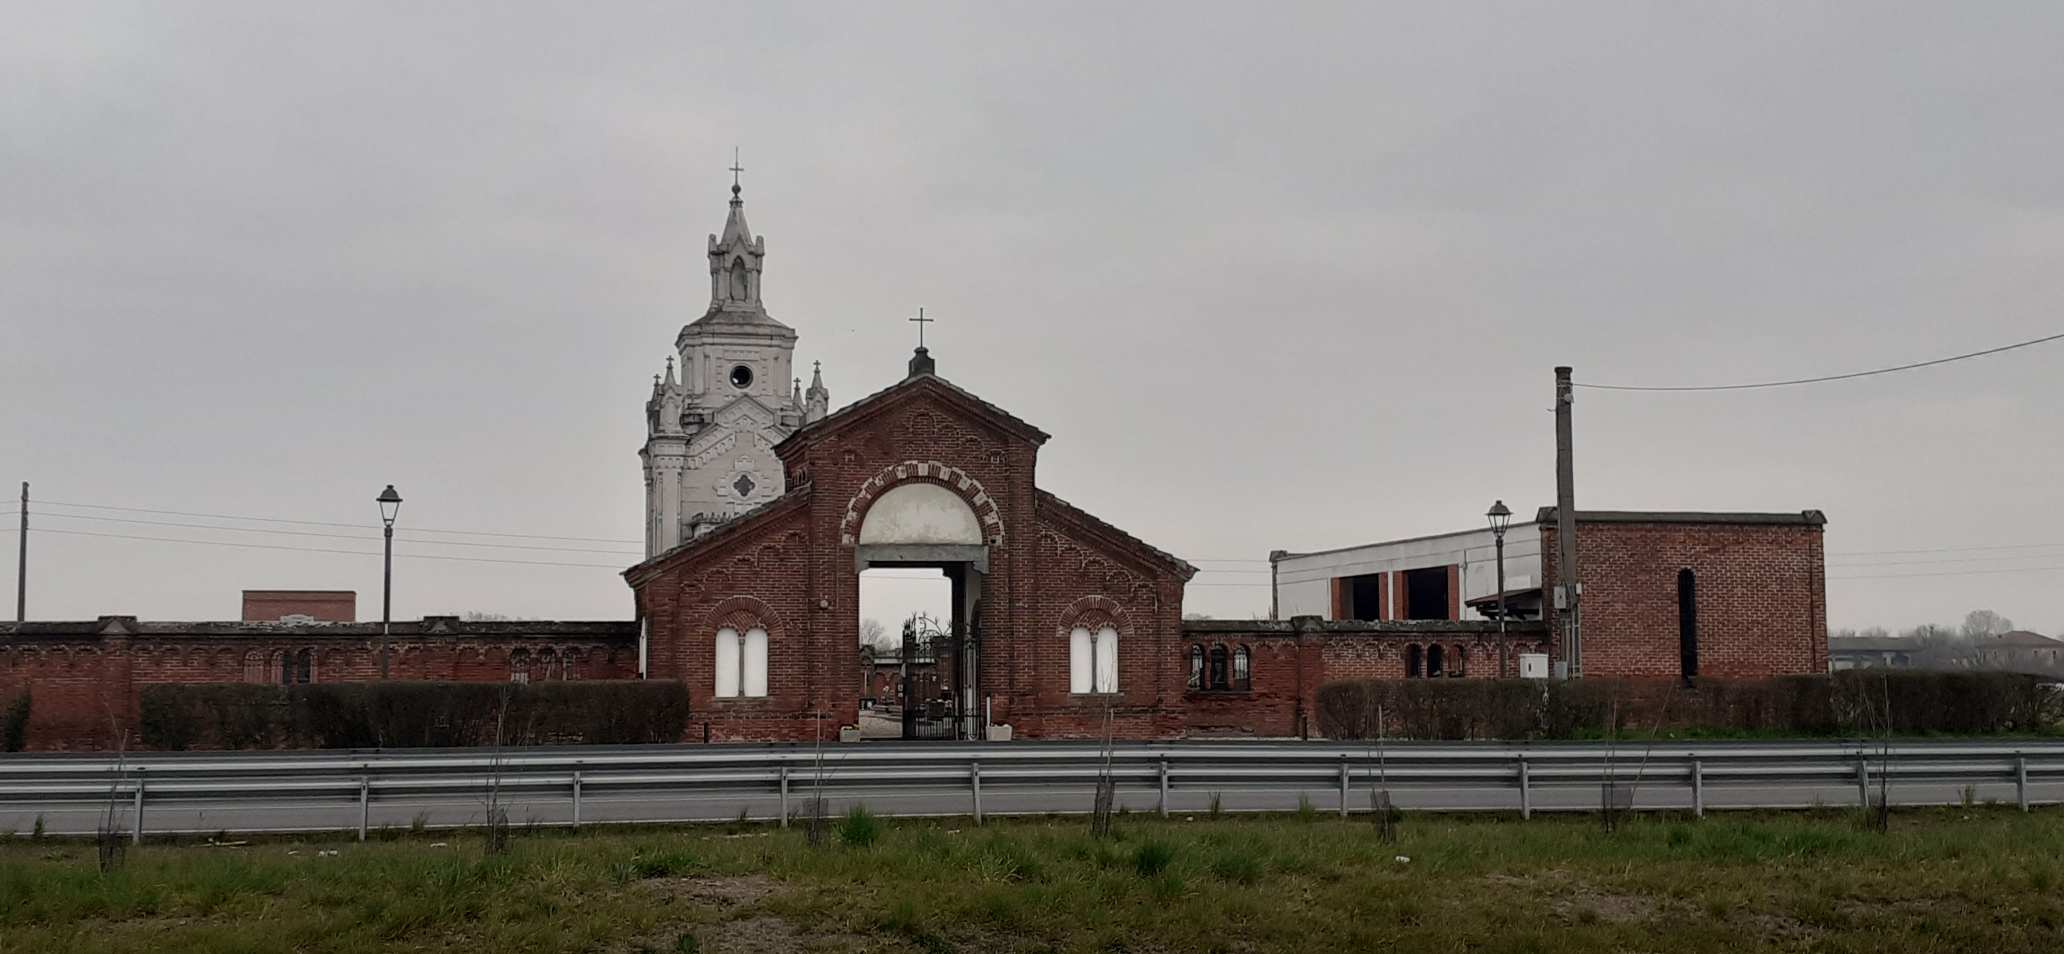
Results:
<point x="1243" y="665"/>
<point x="1196" y="667"/>
<point x="297" y="668"/>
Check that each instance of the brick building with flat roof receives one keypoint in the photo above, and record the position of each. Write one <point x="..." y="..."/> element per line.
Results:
<point x="311" y="606"/>
<point x="1665" y="593"/>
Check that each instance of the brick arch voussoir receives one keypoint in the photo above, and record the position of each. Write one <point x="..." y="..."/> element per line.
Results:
<point x="1093" y="612"/>
<point x="922" y="471"/>
<point x="743" y="613"/>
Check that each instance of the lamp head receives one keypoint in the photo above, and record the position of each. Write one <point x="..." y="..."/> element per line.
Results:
<point x="390" y="505"/>
<point x="1500" y="517"/>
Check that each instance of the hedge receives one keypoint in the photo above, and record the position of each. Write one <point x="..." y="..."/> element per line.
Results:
<point x="410" y="714"/>
<point x="1845" y="704"/>
<point x="14" y="723"/>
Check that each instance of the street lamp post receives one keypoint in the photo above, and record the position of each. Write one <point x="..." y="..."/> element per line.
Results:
<point x="390" y="507"/>
<point x="1500" y="517"/>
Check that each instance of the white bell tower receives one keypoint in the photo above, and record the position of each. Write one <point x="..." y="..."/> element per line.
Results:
<point x="708" y="453"/>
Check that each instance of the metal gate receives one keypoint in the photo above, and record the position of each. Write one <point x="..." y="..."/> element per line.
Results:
<point x="931" y="697"/>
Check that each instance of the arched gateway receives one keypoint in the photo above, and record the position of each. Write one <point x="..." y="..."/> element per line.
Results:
<point x="1064" y="621"/>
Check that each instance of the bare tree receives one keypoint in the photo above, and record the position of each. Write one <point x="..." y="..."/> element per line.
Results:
<point x="498" y="816"/>
<point x="875" y="636"/>
<point x="1933" y="636"/>
<point x="1984" y="624"/>
<point x="1106" y="800"/>
<point x="108" y="837"/>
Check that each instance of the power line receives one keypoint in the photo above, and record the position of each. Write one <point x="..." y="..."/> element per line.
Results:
<point x="325" y="523"/>
<point x="1824" y="378"/>
<point x="1939" y="562"/>
<point x="618" y="567"/>
<point x="333" y="536"/>
<point x="364" y="553"/>
<point x="1908" y="576"/>
<point x="2003" y="546"/>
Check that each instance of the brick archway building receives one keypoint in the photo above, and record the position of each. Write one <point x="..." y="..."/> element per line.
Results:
<point x="791" y="569"/>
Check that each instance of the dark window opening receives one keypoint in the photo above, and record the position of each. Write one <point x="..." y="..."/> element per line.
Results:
<point x="1364" y="597"/>
<point x="1433" y="662"/>
<point x="741" y="377"/>
<point x="1219" y="669"/>
<point x="1687" y="624"/>
<point x="1413" y="669"/>
<point x="296" y="668"/>
<point x="1426" y="593"/>
<point x="1459" y="663"/>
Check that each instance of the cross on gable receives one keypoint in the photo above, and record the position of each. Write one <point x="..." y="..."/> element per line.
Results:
<point x="922" y="321"/>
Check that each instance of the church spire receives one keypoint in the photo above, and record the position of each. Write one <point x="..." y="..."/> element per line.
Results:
<point x="735" y="256"/>
<point x="817" y="400"/>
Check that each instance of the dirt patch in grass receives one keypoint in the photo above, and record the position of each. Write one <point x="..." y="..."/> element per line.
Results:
<point x="1777" y="928"/>
<point x="1582" y="904"/>
<point x="755" y="934"/>
<point x="717" y="892"/>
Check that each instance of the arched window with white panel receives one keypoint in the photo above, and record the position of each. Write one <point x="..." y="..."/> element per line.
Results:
<point x="1106" y="660"/>
<point x="753" y="681"/>
<point x="741" y="663"/>
<point x="1081" y="660"/>
<point x="727" y="663"/>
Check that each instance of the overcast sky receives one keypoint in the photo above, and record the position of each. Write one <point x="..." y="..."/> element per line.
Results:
<point x="1274" y="276"/>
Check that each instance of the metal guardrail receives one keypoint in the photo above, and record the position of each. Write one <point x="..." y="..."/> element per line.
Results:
<point x="235" y="792"/>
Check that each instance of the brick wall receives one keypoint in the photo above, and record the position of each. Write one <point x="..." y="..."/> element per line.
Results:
<point x="1760" y="590"/>
<point x="85" y="675"/>
<point x="1292" y="659"/>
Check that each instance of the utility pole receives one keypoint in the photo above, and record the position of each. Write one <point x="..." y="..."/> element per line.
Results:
<point x="21" y="563"/>
<point x="1570" y="588"/>
<point x="1275" y="559"/>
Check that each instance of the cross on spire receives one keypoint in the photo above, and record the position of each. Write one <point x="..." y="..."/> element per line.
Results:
<point x="735" y="170"/>
<point x="922" y="321"/>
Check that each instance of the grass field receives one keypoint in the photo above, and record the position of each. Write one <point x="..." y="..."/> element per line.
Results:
<point x="1952" y="880"/>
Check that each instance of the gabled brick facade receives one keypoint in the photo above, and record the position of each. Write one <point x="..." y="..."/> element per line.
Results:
<point x="790" y="568"/>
